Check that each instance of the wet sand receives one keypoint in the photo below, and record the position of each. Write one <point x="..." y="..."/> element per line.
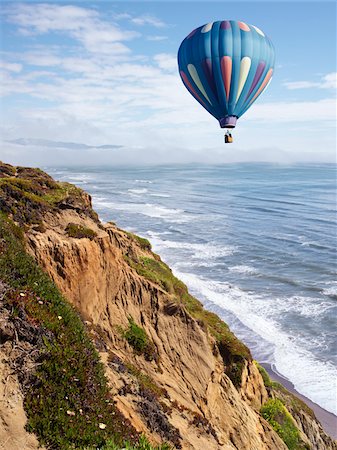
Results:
<point x="327" y="419"/>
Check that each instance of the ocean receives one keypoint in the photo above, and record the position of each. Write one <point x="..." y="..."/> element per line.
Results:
<point x="256" y="243"/>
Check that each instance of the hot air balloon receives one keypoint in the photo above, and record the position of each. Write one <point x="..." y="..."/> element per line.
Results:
<point x="226" y="65"/>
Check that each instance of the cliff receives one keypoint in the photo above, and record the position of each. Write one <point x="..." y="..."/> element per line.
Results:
<point x="173" y="371"/>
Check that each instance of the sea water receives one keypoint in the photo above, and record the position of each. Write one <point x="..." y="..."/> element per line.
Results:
<point x="256" y="243"/>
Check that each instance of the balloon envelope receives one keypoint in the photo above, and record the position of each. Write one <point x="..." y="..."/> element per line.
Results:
<point x="226" y="65"/>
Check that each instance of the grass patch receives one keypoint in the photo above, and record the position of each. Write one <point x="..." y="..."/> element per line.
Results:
<point x="264" y="374"/>
<point x="78" y="231"/>
<point x="139" y="341"/>
<point x="232" y="350"/>
<point x="27" y="194"/>
<point x="142" y="242"/>
<point x="146" y="383"/>
<point x="143" y="444"/>
<point x="60" y="192"/>
<point x="293" y="403"/>
<point x="6" y="170"/>
<point x="69" y="397"/>
<point x="281" y="420"/>
<point x="155" y="271"/>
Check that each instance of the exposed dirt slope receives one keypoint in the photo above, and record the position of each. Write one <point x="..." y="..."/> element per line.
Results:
<point x="199" y="400"/>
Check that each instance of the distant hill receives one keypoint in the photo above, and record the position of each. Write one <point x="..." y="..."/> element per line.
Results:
<point x="60" y="144"/>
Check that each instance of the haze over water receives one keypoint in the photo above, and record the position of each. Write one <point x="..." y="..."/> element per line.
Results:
<point x="256" y="243"/>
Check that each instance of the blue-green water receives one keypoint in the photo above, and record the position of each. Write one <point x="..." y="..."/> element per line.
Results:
<point x="256" y="243"/>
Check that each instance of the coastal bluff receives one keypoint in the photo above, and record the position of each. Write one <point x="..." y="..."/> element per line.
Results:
<point x="101" y="344"/>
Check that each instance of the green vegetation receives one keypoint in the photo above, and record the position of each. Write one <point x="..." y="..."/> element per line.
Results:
<point x="139" y="340"/>
<point x="155" y="271"/>
<point x="143" y="444"/>
<point x="293" y="403"/>
<point x="80" y="232"/>
<point x="27" y="194"/>
<point x="136" y="336"/>
<point x="68" y="402"/>
<point x="281" y="420"/>
<point x="146" y="383"/>
<point x="142" y="242"/>
<point x="264" y="374"/>
<point x="232" y="350"/>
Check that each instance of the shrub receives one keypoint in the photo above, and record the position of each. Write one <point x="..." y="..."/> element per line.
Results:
<point x="142" y="242"/>
<point x="264" y="374"/>
<point x="146" y="383"/>
<point x="281" y="420"/>
<point x="136" y="336"/>
<point x="142" y="444"/>
<point x="79" y="232"/>
<point x="139" y="341"/>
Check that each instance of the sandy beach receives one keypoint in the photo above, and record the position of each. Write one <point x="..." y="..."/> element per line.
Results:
<point x="327" y="419"/>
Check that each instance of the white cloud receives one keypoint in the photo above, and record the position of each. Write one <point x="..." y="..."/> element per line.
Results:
<point x="300" y="84"/>
<point x="166" y="61"/>
<point x="82" y="24"/>
<point x="329" y="81"/>
<point x="156" y="38"/>
<point x="43" y="18"/>
<point x="11" y="67"/>
<point x="147" y="19"/>
<point x="43" y="57"/>
<point x="294" y="112"/>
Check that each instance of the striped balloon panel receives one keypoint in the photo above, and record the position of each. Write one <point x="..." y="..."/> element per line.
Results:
<point x="226" y="66"/>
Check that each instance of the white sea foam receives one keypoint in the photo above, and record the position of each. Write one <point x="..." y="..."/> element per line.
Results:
<point x="305" y="306"/>
<point x="195" y="262"/>
<point x="80" y="178"/>
<point x="199" y="251"/>
<point x="331" y="290"/>
<point x="310" y="376"/>
<point x="155" y="234"/>
<point x="143" y="181"/>
<point x="246" y="270"/>
<point x="137" y="191"/>
<point x="148" y="209"/>
<point x="161" y="195"/>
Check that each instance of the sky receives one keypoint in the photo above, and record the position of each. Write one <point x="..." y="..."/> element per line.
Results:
<point x="96" y="82"/>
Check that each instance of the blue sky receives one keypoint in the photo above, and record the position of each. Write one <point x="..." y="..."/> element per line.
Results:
<point x="105" y="73"/>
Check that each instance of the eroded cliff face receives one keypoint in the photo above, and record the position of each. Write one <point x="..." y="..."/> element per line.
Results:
<point x="200" y="402"/>
<point x="199" y="406"/>
<point x="179" y="390"/>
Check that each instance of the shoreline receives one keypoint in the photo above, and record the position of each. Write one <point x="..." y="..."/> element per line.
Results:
<point x="327" y="419"/>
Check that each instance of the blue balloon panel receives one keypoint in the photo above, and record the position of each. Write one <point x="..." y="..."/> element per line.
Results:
<point x="226" y="65"/>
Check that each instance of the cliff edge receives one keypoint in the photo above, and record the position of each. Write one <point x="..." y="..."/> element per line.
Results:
<point x="173" y="372"/>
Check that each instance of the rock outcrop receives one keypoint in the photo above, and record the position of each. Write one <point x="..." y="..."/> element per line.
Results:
<point x="204" y="408"/>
